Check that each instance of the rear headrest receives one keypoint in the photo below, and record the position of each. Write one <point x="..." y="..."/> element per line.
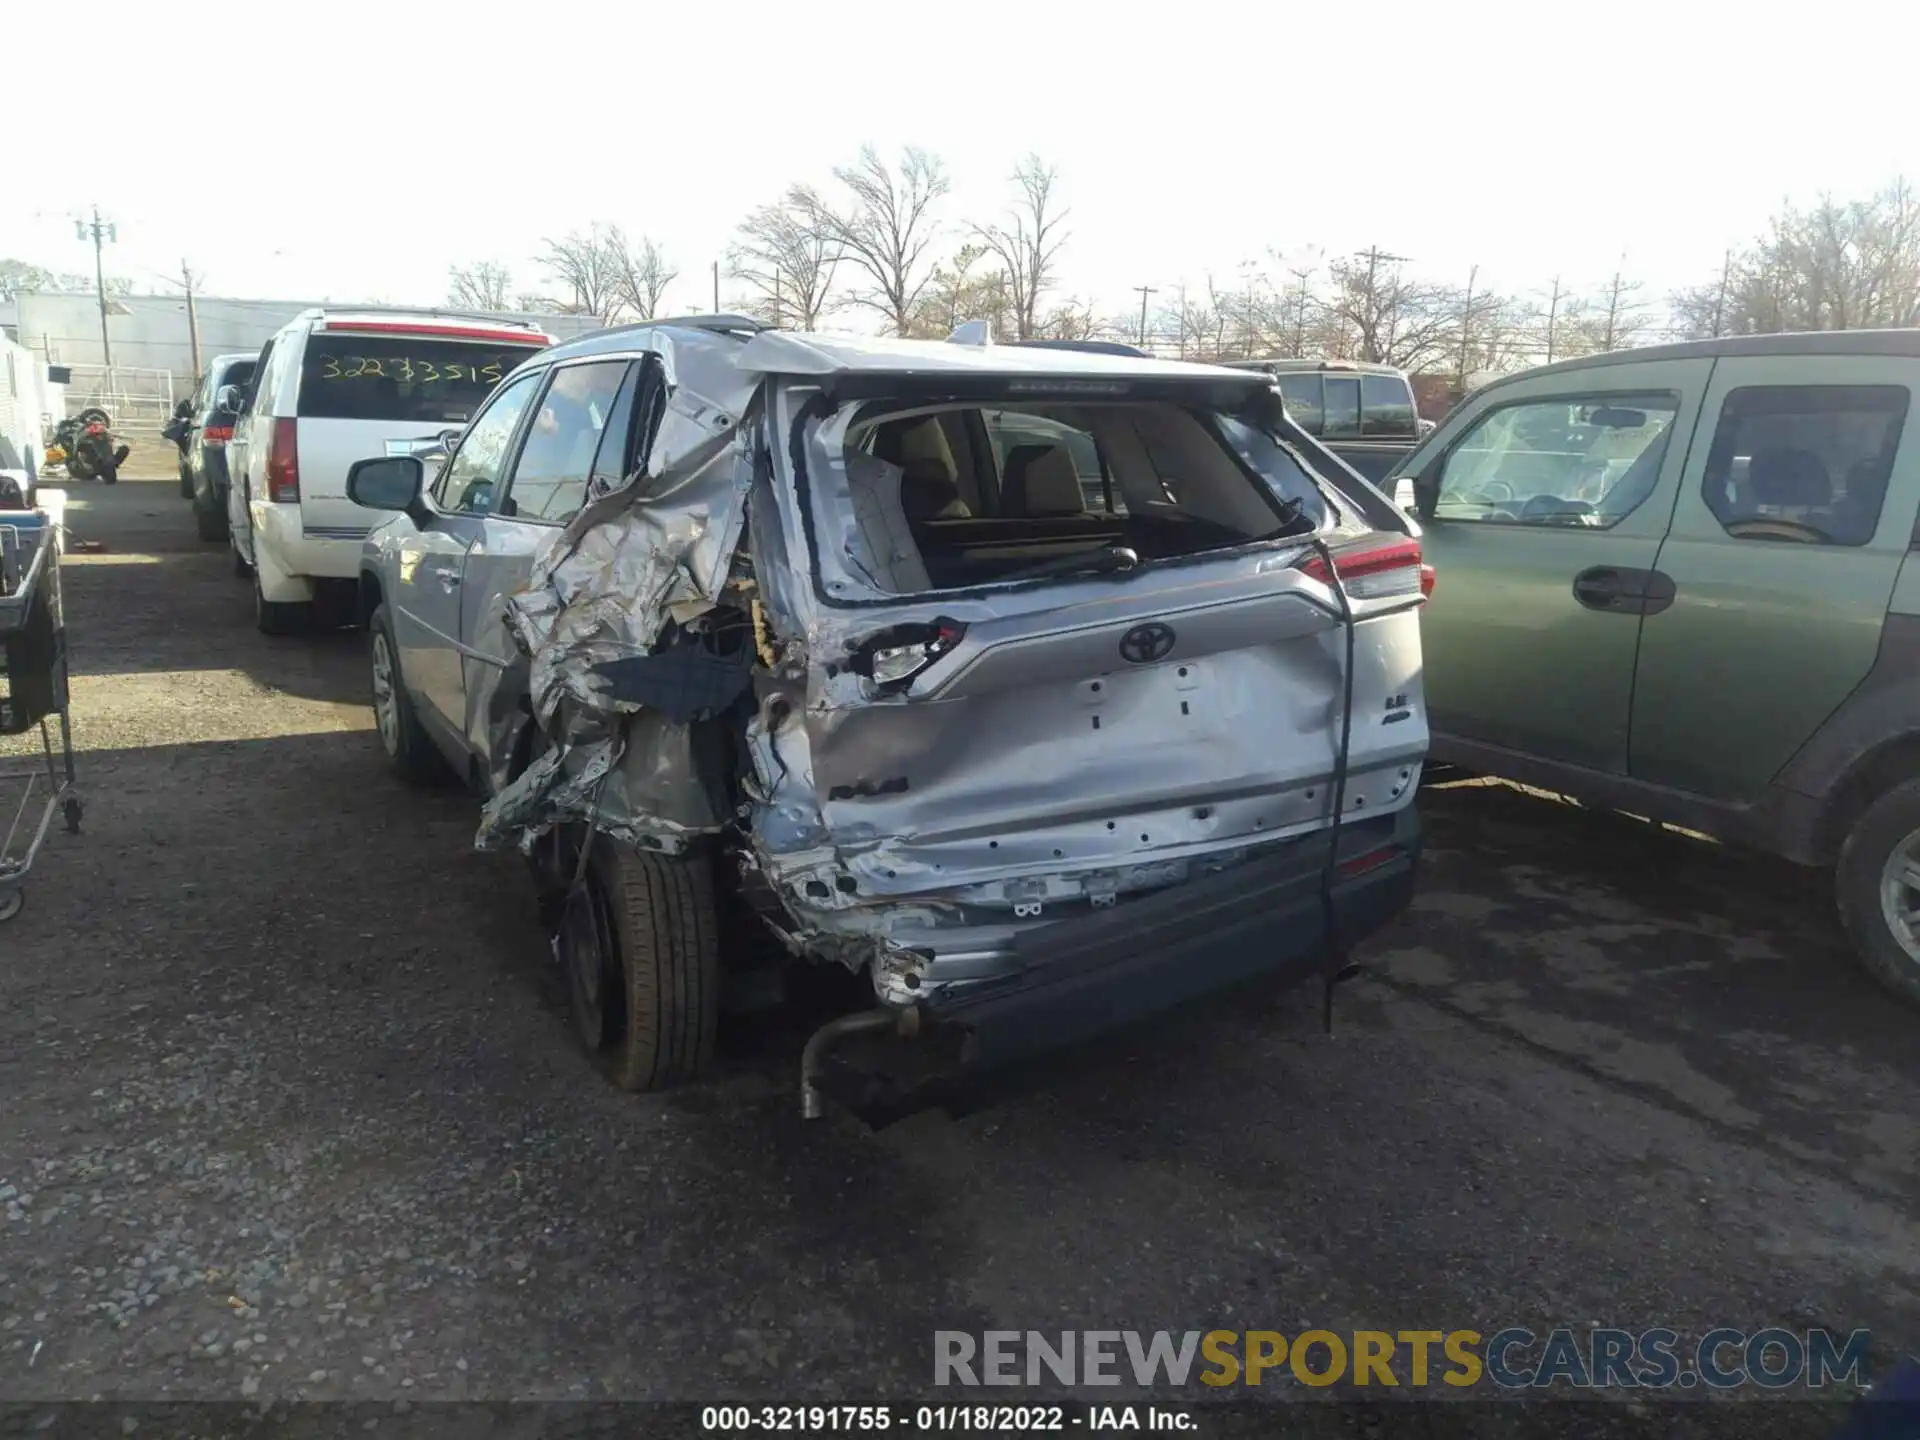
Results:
<point x="1789" y="478"/>
<point x="1041" y="481"/>
<point x="928" y="492"/>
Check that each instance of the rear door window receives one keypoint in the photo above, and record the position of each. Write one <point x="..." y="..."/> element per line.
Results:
<point x="1343" y="407"/>
<point x="1304" y="405"/>
<point x="412" y="380"/>
<point x="550" y="477"/>
<point x="1804" y="463"/>
<point x="1386" y="408"/>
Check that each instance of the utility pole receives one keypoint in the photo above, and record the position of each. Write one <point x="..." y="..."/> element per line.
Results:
<point x="1300" y="314"/>
<point x="1466" y="326"/>
<point x="101" y="231"/>
<point x="1378" y="313"/>
<point x="1145" y="291"/>
<point x="1720" y="300"/>
<point x="1553" y="314"/>
<point x="716" y="287"/>
<point x="193" y="318"/>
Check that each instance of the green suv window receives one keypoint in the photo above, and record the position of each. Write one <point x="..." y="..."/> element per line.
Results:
<point x="1584" y="461"/>
<point x="1804" y="463"/>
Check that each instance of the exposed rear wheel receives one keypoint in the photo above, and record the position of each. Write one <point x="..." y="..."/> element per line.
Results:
<point x="409" y="751"/>
<point x="639" y="940"/>
<point x="1878" y="885"/>
<point x="209" y="519"/>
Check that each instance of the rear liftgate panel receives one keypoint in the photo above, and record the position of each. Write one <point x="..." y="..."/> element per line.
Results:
<point x="1093" y="748"/>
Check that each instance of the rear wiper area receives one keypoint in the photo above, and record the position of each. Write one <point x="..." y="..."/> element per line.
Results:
<point x="1108" y="560"/>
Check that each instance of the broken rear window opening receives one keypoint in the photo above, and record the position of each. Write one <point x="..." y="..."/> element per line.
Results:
<point x="951" y="496"/>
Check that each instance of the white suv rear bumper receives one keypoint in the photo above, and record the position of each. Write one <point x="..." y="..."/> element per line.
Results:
<point x="288" y="557"/>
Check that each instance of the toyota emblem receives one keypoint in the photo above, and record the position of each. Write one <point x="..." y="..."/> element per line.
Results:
<point x="1144" y="644"/>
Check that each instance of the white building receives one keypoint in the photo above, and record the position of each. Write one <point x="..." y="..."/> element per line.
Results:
<point x="150" y="332"/>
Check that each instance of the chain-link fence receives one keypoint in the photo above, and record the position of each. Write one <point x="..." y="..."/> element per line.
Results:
<point x="138" y="400"/>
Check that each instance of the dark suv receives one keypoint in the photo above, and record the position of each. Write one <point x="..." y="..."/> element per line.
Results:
<point x="1363" y="413"/>
<point x="201" y="429"/>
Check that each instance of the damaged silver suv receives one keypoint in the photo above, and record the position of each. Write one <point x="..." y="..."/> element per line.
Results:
<point x="1047" y="689"/>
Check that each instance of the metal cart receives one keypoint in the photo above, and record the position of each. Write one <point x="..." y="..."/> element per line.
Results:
<point x="33" y="691"/>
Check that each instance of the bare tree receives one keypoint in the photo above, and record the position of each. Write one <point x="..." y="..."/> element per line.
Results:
<point x="1071" y="319"/>
<point x="535" y="304"/>
<point x="788" y="263"/>
<point x="957" y="290"/>
<point x="1029" y="243"/>
<point x="641" y="272"/>
<point x="588" y="268"/>
<point x="478" y="287"/>
<point x="1835" y="267"/>
<point x="885" y="229"/>
<point x="18" y="275"/>
<point x="1387" y="318"/>
<point x="1616" y="318"/>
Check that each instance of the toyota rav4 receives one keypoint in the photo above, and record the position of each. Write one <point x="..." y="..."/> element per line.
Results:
<point x="1046" y="689"/>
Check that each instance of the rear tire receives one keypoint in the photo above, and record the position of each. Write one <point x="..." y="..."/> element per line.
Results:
<point x="409" y="751"/>
<point x="1870" y="895"/>
<point x="275" y="617"/>
<point x="640" y="943"/>
<point x="209" y="521"/>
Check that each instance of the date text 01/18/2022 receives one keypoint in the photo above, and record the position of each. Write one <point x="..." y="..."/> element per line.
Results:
<point x="986" y="1419"/>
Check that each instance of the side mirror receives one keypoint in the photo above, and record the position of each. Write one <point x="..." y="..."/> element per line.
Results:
<point x="387" y="482"/>
<point x="1426" y="492"/>
<point x="229" y="399"/>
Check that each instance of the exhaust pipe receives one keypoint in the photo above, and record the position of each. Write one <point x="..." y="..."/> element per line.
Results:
<point x="907" y="1022"/>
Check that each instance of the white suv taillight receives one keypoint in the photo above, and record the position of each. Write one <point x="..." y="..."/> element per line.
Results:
<point x="1381" y="570"/>
<point x="283" y="461"/>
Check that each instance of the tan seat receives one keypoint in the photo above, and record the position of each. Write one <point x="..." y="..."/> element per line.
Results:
<point x="1041" y="480"/>
<point x="891" y="552"/>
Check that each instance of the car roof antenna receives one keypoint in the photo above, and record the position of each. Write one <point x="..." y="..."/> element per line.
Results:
<point x="973" y="332"/>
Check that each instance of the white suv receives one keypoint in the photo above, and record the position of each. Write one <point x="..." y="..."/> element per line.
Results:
<point x="333" y="387"/>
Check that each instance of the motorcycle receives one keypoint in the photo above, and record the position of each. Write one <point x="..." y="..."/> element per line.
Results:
<point x="87" y="446"/>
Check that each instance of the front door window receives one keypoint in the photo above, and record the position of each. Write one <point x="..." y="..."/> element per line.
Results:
<point x="1586" y="462"/>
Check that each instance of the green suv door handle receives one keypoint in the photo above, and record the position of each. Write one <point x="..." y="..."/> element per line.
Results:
<point x="1623" y="592"/>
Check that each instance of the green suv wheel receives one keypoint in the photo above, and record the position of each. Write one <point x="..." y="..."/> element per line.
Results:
<point x="1879" y="889"/>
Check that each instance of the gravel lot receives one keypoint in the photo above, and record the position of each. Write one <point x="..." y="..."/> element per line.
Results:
<point x="288" y="1104"/>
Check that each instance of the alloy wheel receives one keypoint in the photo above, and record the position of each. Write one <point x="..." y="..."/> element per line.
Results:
<point x="1900" y="895"/>
<point x="386" y="703"/>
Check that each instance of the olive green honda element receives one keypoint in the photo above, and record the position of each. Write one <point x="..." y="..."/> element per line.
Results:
<point x="1683" y="582"/>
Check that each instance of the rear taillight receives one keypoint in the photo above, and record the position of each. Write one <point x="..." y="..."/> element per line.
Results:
<point x="1378" y="571"/>
<point x="216" y="434"/>
<point x="283" y="462"/>
<point x="893" y="657"/>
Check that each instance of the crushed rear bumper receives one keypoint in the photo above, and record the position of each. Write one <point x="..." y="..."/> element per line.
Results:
<point x="1259" y="926"/>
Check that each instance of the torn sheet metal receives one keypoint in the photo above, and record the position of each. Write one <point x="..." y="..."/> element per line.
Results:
<point x="658" y="546"/>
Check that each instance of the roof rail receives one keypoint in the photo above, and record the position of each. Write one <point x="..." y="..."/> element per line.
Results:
<point x="721" y="324"/>
<point x="437" y="312"/>
<point x="1090" y="347"/>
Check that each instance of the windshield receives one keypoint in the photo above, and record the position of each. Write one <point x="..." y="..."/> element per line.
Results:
<point x="952" y="496"/>
<point x="411" y="379"/>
